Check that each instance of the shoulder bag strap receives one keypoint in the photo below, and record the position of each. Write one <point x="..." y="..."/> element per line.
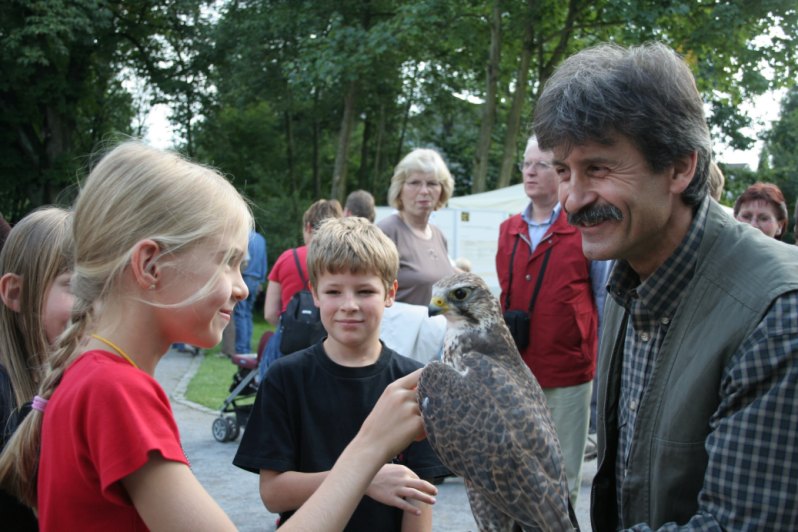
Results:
<point x="299" y="269"/>
<point x="510" y="276"/>
<point x="540" y="279"/>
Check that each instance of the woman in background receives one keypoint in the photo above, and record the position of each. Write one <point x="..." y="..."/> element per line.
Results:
<point x="762" y="205"/>
<point x="421" y="184"/>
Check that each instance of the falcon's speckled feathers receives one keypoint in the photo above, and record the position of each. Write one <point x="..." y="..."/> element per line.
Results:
<point x="486" y="416"/>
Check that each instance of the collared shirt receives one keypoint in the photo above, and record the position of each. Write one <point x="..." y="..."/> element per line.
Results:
<point x="537" y="230"/>
<point x="746" y="446"/>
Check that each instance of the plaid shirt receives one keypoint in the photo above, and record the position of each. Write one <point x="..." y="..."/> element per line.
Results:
<point x="751" y="479"/>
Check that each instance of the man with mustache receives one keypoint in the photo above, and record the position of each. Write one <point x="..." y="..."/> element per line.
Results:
<point x="544" y="275"/>
<point x="698" y="369"/>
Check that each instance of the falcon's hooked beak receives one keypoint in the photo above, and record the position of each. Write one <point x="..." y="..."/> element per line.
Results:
<point x="437" y="306"/>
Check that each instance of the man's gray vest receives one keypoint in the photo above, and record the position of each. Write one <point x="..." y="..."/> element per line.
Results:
<point x="738" y="275"/>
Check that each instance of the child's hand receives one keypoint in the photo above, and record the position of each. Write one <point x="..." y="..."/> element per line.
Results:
<point x="396" y="485"/>
<point x="395" y="421"/>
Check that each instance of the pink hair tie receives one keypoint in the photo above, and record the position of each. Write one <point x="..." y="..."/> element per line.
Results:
<point x="39" y="403"/>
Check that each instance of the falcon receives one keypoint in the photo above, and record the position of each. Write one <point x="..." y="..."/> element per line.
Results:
<point x="486" y="416"/>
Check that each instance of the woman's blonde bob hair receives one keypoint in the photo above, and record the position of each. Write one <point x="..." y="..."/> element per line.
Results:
<point x="420" y="161"/>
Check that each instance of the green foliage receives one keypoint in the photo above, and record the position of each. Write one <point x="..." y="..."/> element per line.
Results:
<point x="62" y="93"/>
<point x="257" y="88"/>
<point x="781" y="141"/>
<point x="780" y="155"/>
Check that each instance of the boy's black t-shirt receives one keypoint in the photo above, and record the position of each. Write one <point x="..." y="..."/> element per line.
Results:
<point x="308" y="409"/>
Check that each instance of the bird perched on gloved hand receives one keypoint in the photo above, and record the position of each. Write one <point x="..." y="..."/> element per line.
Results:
<point x="486" y="416"/>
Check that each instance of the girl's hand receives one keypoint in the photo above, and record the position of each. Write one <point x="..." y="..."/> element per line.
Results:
<point x="395" y="421"/>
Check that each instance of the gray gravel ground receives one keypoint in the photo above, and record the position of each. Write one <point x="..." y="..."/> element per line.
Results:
<point x="237" y="491"/>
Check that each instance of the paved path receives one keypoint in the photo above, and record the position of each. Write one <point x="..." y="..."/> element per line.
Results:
<point x="237" y="491"/>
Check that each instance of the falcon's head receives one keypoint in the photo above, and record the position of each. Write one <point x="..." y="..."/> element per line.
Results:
<point x="466" y="301"/>
<point x="475" y="324"/>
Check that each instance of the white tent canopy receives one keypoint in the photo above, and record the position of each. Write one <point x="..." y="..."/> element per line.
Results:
<point x="508" y="199"/>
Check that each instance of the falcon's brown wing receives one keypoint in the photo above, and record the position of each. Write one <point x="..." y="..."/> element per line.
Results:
<point x="492" y="432"/>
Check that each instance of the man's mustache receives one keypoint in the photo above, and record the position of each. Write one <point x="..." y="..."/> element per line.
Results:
<point x="594" y="214"/>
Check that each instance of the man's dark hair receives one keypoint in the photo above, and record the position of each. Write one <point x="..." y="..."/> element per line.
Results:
<point x="644" y="93"/>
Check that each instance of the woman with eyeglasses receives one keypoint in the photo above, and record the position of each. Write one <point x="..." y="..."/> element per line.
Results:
<point x="762" y="206"/>
<point x="421" y="184"/>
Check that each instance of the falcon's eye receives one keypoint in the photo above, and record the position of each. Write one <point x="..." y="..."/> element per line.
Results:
<point x="460" y="293"/>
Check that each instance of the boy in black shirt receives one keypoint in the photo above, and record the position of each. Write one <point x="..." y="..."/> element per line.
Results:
<point x="312" y="403"/>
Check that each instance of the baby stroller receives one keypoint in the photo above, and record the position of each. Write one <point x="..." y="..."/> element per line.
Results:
<point x="226" y="428"/>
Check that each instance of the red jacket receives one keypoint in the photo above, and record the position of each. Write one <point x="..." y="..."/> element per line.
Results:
<point x="564" y="323"/>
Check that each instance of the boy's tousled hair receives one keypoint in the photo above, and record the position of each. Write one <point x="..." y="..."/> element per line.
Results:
<point x="135" y="192"/>
<point x="38" y="250"/>
<point x="352" y="245"/>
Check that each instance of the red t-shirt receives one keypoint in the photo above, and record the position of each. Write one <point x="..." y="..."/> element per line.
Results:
<point x="284" y="272"/>
<point x="100" y="425"/>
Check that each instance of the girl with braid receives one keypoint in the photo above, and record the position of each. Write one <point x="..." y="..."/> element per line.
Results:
<point x="100" y="450"/>
<point x="35" y="267"/>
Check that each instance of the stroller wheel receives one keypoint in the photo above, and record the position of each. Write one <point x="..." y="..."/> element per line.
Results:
<point x="221" y="429"/>
<point x="232" y="423"/>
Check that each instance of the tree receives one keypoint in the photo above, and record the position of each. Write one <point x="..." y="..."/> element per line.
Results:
<point x="299" y="99"/>
<point x="62" y="93"/>
<point x="779" y="163"/>
<point x="489" y="106"/>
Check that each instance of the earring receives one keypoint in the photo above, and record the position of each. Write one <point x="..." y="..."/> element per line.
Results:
<point x="152" y="286"/>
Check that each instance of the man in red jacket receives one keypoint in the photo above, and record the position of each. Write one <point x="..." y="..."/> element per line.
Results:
<point x="542" y="271"/>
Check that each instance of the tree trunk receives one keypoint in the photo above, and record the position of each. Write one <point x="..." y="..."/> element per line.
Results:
<point x="342" y="153"/>
<point x="189" y="132"/>
<point x="400" y="146"/>
<point x="58" y="141"/>
<point x="510" y="150"/>
<point x="377" y="168"/>
<point x="316" y="150"/>
<point x="489" y="107"/>
<point x="289" y="151"/>
<point x="546" y="68"/>
<point x="363" y="170"/>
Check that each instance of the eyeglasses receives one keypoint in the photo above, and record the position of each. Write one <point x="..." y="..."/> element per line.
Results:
<point x="418" y="183"/>
<point x="539" y="165"/>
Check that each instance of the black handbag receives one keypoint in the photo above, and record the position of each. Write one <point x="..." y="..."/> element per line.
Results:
<point x="301" y="322"/>
<point x="520" y="321"/>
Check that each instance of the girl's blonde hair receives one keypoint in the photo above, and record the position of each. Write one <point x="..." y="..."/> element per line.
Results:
<point x="38" y="249"/>
<point x="134" y="193"/>
<point x="421" y="161"/>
